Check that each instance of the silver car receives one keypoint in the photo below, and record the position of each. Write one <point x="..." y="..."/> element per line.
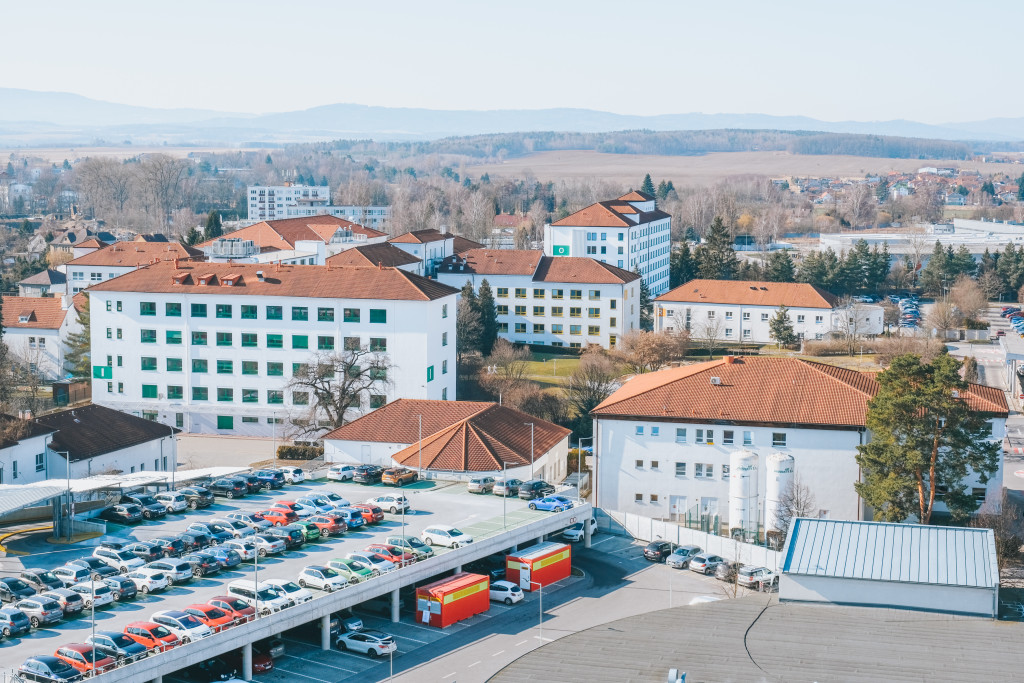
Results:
<point x="507" y="487"/>
<point x="40" y="611"/>
<point x="480" y="485"/>
<point x="681" y="556"/>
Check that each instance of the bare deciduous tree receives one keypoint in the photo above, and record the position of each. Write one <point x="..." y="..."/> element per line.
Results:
<point x="591" y="382"/>
<point x="336" y="383"/>
<point x="796" y="501"/>
<point x="969" y="297"/>
<point x="709" y="332"/>
<point x="942" y="317"/>
<point x="163" y="179"/>
<point x="507" y="366"/>
<point x="1009" y="531"/>
<point x="643" y="351"/>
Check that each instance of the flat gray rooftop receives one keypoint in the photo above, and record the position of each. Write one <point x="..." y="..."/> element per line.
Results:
<point x="785" y="642"/>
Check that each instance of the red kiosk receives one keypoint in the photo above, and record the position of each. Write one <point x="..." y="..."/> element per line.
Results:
<point x="459" y="597"/>
<point x="541" y="564"/>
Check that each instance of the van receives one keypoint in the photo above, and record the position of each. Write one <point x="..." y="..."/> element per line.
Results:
<point x="262" y="597"/>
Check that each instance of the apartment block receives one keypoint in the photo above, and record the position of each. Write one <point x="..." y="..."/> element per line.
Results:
<point x="269" y="202"/>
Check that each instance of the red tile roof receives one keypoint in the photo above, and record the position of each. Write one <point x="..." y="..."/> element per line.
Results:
<point x="497" y="261"/>
<point x="612" y="214"/>
<point x="283" y="234"/>
<point x="754" y="390"/>
<point x="570" y="269"/>
<point x="43" y="313"/>
<point x="421" y="237"/>
<point x="384" y="254"/>
<point x="343" y="282"/>
<point x="92" y="242"/>
<point x="136" y="253"/>
<point x="567" y="269"/>
<point x="751" y="293"/>
<point x="636" y="196"/>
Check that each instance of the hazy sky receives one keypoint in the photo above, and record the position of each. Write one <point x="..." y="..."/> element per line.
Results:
<point x="931" y="61"/>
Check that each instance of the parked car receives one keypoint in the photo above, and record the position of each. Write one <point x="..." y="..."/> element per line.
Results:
<point x="173" y="501"/>
<point x="727" y="571"/>
<point x="121" y="560"/>
<point x="757" y="577"/>
<point x="329" y="524"/>
<point x="551" y="503"/>
<point x="368" y="474"/>
<point x="293" y="475"/>
<point x="212" y="669"/>
<point x="272" y="647"/>
<point x="375" y="561"/>
<point x="214" y="617"/>
<point x="236" y="528"/>
<point x="216" y="532"/>
<point x="176" y="570"/>
<point x="202" y="563"/>
<point x="353" y="570"/>
<point x="252" y="483"/>
<point x="657" y="551"/>
<point x="535" y="488"/>
<point x="171" y="545"/>
<point x="324" y="578"/>
<point x="705" y="563"/>
<point x="13" y="622"/>
<point x="239" y="610"/>
<point x="370" y="642"/>
<point x="254" y="520"/>
<point x="492" y="566"/>
<point x="272" y="478"/>
<point x="197" y="497"/>
<point x="70" y="574"/>
<point x="40" y="579"/>
<point x="154" y="636"/>
<point x="85" y="658"/>
<point x="268" y="545"/>
<point x="279" y="516"/>
<point x="94" y="594"/>
<point x="261" y="597"/>
<point x="48" y="669"/>
<point x="121" y="588"/>
<point x="480" y="485"/>
<point x="123" y="514"/>
<point x="381" y="605"/>
<point x="40" y="611"/>
<point x="289" y="589"/>
<point x="411" y="544"/>
<point x="294" y="508"/>
<point x="681" y="556"/>
<point x="371" y="513"/>
<point x="506" y="487"/>
<point x="353" y="518"/>
<point x="226" y="557"/>
<point x="443" y="534"/>
<point x="148" y="580"/>
<point x="400" y="556"/>
<point x="574" y="533"/>
<point x="151" y="507"/>
<point x="310" y="531"/>
<point x="119" y="646"/>
<point x="146" y="551"/>
<point x="194" y="540"/>
<point x="261" y="662"/>
<point x="244" y="547"/>
<point x="314" y="506"/>
<point x="399" y="476"/>
<point x="341" y="472"/>
<point x="183" y="625"/>
<point x="292" y="538"/>
<point x="99" y="569"/>
<point x="13" y="589"/>
<point x="506" y="592"/>
<point x="229" y="488"/>
<point x="336" y="500"/>
<point x="70" y="602"/>
<point x="392" y="503"/>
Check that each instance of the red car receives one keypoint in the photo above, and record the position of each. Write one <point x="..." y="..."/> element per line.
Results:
<point x="214" y="617"/>
<point x="392" y="552"/>
<point x="152" y="635"/>
<point x="279" y="517"/>
<point x="371" y="513"/>
<point x="85" y="658"/>
<point x="238" y="610"/>
<point x="261" y="661"/>
<point x="329" y="525"/>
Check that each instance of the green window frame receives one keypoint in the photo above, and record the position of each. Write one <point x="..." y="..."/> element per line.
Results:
<point x="198" y="310"/>
<point x="275" y="313"/>
<point x="250" y="340"/>
<point x="175" y="392"/>
<point x="224" y="339"/>
<point x="174" y="365"/>
<point x="351" y="343"/>
<point x="430" y="373"/>
<point x="379" y="344"/>
<point x="172" y="310"/>
<point x="379" y="373"/>
<point x="147" y="308"/>
<point x="249" y="312"/>
<point x="300" y="341"/>
<point x="250" y="367"/>
<point x="250" y="396"/>
<point x="275" y="397"/>
<point x="224" y="311"/>
<point x="299" y="369"/>
<point x="199" y="339"/>
<point x="325" y="315"/>
<point x="225" y="394"/>
<point x="148" y="336"/>
<point x="275" y="341"/>
<point x="200" y="394"/>
<point x="173" y="336"/>
<point x="148" y="363"/>
<point x="200" y="365"/>
<point x="350" y="315"/>
<point x="378" y="315"/>
<point x="225" y="422"/>
<point x="225" y="367"/>
<point x="300" y="313"/>
<point x="325" y="343"/>
<point x="149" y="391"/>
<point x="275" y="369"/>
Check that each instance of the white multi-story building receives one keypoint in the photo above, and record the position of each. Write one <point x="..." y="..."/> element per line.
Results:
<point x="669" y="442"/>
<point x="296" y="241"/>
<point x="551" y="301"/>
<point x="36" y="330"/>
<point x="211" y="347"/>
<point x="629" y="232"/>
<point x="96" y="265"/>
<point x="269" y="202"/>
<point x="431" y="247"/>
<point x="741" y="311"/>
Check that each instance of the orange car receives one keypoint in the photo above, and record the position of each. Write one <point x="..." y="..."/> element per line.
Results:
<point x="235" y="608"/>
<point x="85" y="658"/>
<point x="279" y="516"/>
<point x="371" y="513"/>
<point x="214" y="617"/>
<point x="152" y="635"/>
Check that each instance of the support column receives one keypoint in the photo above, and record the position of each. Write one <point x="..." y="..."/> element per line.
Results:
<point x="458" y="569"/>
<point x="247" y="662"/>
<point x="158" y="679"/>
<point x="587" y="533"/>
<point x="515" y="549"/>
<point x="325" y="632"/>
<point x="540" y="539"/>
<point x="394" y="606"/>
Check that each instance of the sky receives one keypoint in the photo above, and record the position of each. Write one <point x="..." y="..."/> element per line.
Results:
<point x="863" y="60"/>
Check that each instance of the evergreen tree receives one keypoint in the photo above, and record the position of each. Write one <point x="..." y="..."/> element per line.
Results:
<point x="780" y="327"/>
<point x="214" y="228"/>
<point x="878" y="268"/>
<point x="780" y="267"/>
<point x="963" y="263"/>
<point x="882" y="190"/>
<point x="1009" y="269"/>
<point x="662" y="192"/>
<point x="192" y="237"/>
<point x="671" y="188"/>
<point x="647" y="187"/>
<point x="691" y="235"/>
<point x="646" y="307"/>
<point x="988" y="188"/>
<point x="813" y="270"/>
<point x="681" y="267"/>
<point x="1020" y="188"/>
<point x="488" y="318"/>
<point x="77" y="360"/>
<point x="10" y="169"/>
<point x="716" y="259"/>
<point x="468" y="327"/>
<point x="268" y="160"/>
<point x="933" y="274"/>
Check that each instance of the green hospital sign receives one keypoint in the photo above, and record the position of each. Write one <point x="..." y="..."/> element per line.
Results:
<point x="102" y="372"/>
<point x="560" y="250"/>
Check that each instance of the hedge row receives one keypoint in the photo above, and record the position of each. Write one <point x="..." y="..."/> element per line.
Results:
<point x="286" y="452"/>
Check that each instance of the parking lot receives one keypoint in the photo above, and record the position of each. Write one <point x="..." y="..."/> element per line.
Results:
<point x="432" y="503"/>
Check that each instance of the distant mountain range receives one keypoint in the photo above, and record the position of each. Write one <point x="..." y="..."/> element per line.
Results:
<point x="55" y="118"/>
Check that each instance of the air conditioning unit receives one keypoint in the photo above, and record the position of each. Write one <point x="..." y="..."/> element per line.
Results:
<point x="716" y="380"/>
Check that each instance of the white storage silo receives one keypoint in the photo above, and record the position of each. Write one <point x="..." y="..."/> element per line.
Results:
<point x="743" y="480"/>
<point x="779" y="477"/>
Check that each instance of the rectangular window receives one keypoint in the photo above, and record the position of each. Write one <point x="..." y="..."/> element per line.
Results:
<point x="249" y="339"/>
<point x="225" y="367"/>
<point x="250" y="396"/>
<point x="223" y="339"/>
<point x="430" y="373"/>
<point x="779" y="439"/>
<point x="250" y="367"/>
<point x="444" y="310"/>
<point x="198" y="339"/>
<point x="502" y="292"/>
<point x="223" y="310"/>
<point x="575" y="329"/>
<point x="110" y="334"/>
<point x="249" y="312"/>
<point x="148" y="362"/>
<point x="225" y="422"/>
<point x="444" y="367"/>
<point x="275" y="313"/>
<point x="593" y="312"/>
<point x="378" y="315"/>
<point x="538" y="310"/>
<point x="639" y="430"/>
<point x="501" y="309"/>
<point x="538" y="293"/>
<point x="556" y="311"/>
<point x="593" y="330"/>
<point x="173" y="336"/>
<point x="198" y="310"/>
<point x="149" y="391"/>
<point x="377" y="401"/>
<point x="275" y="369"/>
<point x="300" y="313"/>
<point x="575" y="312"/>
<point x="275" y="397"/>
<point x="638" y="497"/>
<point x="556" y="294"/>
<point x="764" y="317"/>
<point x="299" y="369"/>
<point x="325" y="343"/>
<point x="174" y="365"/>
<point x="612" y="322"/>
<point x="119" y="333"/>
<point x="120" y="361"/>
<point x="703" y="470"/>
<point x="595" y="295"/>
<point x="680" y="469"/>
<point x="351" y="343"/>
<point x="748" y="438"/>
<point x="655" y="431"/>
<point x="520" y="328"/>
<point x="575" y="293"/>
<point x="40" y="462"/>
<point x="225" y="394"/>
<point x="444" y="339"/>
<point x="746" y="315"/>
<point x="175" y="392"/>
<point x="200" y="365"/>
<point x="172" y="310"/>
<point x="556" y="329"/>
<point x="325" y="315"/>
<point x="727" y="437"/>
<point x="538" y="328"/>
<point x="275" y="341"/>
<point x="520" y="310"/>
<point x="378" y="344"/>
<point x="300" y="341"/>
<point x="680" y="434"/>
<point x="520" y="292"/>
<point x="746" y="334"/>
<point x="250" y="420"/>
<point x="612" y="304"/>
<point x="300" y="398"/>
<point x="109" y="303"/>
<point x="800" y="319"/>
<point x="149" y="336"/>
<point x="503" y="327"/>
<point x="638" y="464"/>
<point x="118" y="303"/>
<point x="147" y="308"/>
<point x="818" y="319"/>
<point x="200" y="394"/>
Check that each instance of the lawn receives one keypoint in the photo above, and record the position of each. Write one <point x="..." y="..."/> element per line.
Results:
<point x="551" y="369"/>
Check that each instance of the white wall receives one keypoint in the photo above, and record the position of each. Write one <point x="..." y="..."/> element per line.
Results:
<point x="146" y="457"/>
<point x="24" y="454"/>
<point x="874" y="593"/>
<point x="740" y="323"/>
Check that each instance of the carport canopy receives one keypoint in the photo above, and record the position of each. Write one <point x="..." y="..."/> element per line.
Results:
<point x="14" y="497"/>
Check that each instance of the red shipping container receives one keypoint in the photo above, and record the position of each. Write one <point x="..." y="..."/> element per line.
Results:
<point x="444" y="602"/>
<point x="541" y="564"/>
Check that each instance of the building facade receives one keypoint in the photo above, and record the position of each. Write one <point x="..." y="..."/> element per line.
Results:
<point x="36" y="330"/>
<point x="100" y="264"/>
<point x="270" y="202"/>
<point x="295" y="241"/>
<point x="548" y="301"/>
<point x="629" y="233"/>
<point x="212" y="348"/>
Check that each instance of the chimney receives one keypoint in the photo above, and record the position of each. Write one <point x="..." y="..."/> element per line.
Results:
<point x="380" y="265"/>
<point x="175" y="262"/>
<point x="259" y="275"/>
<point x="729" y="360"/>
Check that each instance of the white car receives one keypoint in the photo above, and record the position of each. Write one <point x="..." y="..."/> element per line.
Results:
<point x="308" y="508"/>
<point x="392" y="503"/>
<point x="324" y="578"/>
<point x="238" y="529"/>
<point x="245" y="548"/>
<point x="372" y="643"/>
<point x="292" y="475"/>
<point x="341" y="472"/>
<point x="506" y="592"/>
<point x="334" y="500"/>
<point x="575" y="533"/>
<point x="173" y="501"/>
<point x="289" y="590"/>
<point x="90" y="590"/>
<point x="319" y="504"/>
<point x="121" y="560"/>
<point x="374" y="561"/>
<point x="251" y="520"/>
<point x="148" y="580"/>
<point x="176" y="571"/>
<point x="182" y="624"/>
<point x="264" y="598"/>
<point x="443" y="534"/>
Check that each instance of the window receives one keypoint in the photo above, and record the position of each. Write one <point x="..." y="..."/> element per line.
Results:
<point x="593" y="330"/>
<point x="148" y="391"/>
<point x="764" y="317"/>
<point x="538" y="310"/>
<point x="147" y="308"/>
<point x="110" y="387"/>
<point x="556" y="311"/>
<point x="175" y="392"/>
<point x="503" y="327"/>
<point x="250" y="396"/>
<point x="200" y="394"/>
<point x="538" y="328"/>
<point x="501" y="309"/>
<point x="173" y="336"/>
<point x="680" y="469"/>
<point x="300" y="313"/>
<point x="706" y="436"/>
<point x="595" y="295"/>
<point x="705" y="470"/>
<point x="654" y="464"/>
<point x="325" y="343"/>
<point x="250" y="420"/>
<point x="382" y="373"/>
<point x="575" y="293"/>
<point x="680" y="434"/>
<point x="746" y="334"/>
<point x="225" y="367"/>
<point x="223" y="339"/>
<point x="444" y="367"/>
<point x="711" y="315"/>
<point x="444" y="339"/>
<point x="14" y="469"/>
<point x="249" y="312"/>
<point x="639" y="430"/>
<point x="149" y="336"/>
<point x="325" y="315"/>
<point x="118" y="303"/>
<point x="612" y="304"/>
<point x="520" y="328"/>
<point x="638" y="497"/>
<point x="520" y="292"/>
<point x="444" y="310"/>
<point x="351" y="343"/>
<point x="119" y="333"/>
<point x="655" y="431"/>
<point x="300" y="341"/>
<point x="779" y="439"/>
<point x="110" y="333"/>
<point x="538" y="293"/>
<point x="430" y="373"/>
<point x="502" y="292"/>
<point x="378" y="315"/>
<point x="275" y="313"/>
<point x="223" y="310"/>
<point x="225" y="394"/>
<point x="172" y="310"/>
<point x="275" y="369"/>
<point x="200" y="365"/>
<point x="148" y="362"/>
<point x="300" y="398"/>
<point x="575" y="312"/>
<point x="818" y="319"/>
<point x="575" y="329"/>
<point x="612" y="322"/>
<point x="654" y="497"/>
<point x="40" y="462"/>
<point x="800" y="319"/>
<point x="556" y="294"/>
<point x="593" y="312"/>
<point x="174" y="365"/>
<point x="377" y="401"/>
<point x="444" y="396"/>
<point x="520" y="310"/>
<point x="299" y="369"/>
<point x="198" y="339"/>
<point x="198" y="310"/>
<point x="725" y="471"/>
<point x="225" y="422"/>
<point x="120" y="361"/>
<point x="746" y="315"/>
<point x="728" y="437"/>
<point x="250" y="367"/>
<point x="275" y="341"/>
<point x="556" y="329"/>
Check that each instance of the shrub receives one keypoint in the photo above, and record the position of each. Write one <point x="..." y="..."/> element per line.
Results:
<point x="286" y="452"/>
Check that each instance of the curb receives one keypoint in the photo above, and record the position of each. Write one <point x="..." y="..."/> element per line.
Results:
<point x="12" y="534"/>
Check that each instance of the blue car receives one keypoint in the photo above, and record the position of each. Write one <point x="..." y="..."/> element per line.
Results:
<point x="353" y="517"/>
<point x="226" y="557"/>
<point x="271" y="478"/>
<point x="551" y="503"/>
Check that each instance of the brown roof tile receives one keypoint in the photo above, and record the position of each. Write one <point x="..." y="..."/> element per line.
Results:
<point x="136" y="253"/>
<point x="328" y="282"/>
<point x="567" y="269"/>
<point x="421" y="237"/>
<point x="580" y="269"/>
<point x="43" y="313"/>
<point x="751" y="293"/>
<point x="283" y="234"/>
<point x="498" y="261"/>
<point x="14" y="430"/>
<point x="384" y="254"/>
<point x="92" y="242"/>
<point x="636" y="196"/>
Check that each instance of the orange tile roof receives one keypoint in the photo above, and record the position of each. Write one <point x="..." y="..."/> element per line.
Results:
<point x="136" y="253"/>
<point x="636" y="196"/>
<point x="581" y="269"/>
<point x="611" y="214"/>
<point x="92" y="242"/>
<point x="567" y="269"/>
<point x="762" y="391"/>
<point x="398" y="421"/>
<point x="421" y="237"/>
<point x="384" y="254"/>
<point x="344" y="282"/>
<point x="43" y="313"/>
<point x="283" y="234"/>
<point x="498" y="261"/>
<point x="751" y="293"/>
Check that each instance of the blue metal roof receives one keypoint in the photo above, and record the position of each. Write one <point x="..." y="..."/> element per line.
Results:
<point x="904" y="553"/>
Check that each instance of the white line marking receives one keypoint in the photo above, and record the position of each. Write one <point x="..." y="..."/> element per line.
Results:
<point x="521" y="642"/>
<point x="450" y="675"/>
<point x="320" y="663"/>
<point x="421" y="642"/>
<point x="295" y="673"/>
<point x="497" y="653"/>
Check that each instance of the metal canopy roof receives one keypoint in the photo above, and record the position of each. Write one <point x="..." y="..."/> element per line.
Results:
<point x="208" y="473"/>
<point x="904" y="553"/>
<point x="14" y="498"/>
<point x="99" y="482"/>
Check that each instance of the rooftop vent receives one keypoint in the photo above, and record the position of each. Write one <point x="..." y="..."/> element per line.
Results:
<point x="716" y="381"/>
<point x="259" y="275"/>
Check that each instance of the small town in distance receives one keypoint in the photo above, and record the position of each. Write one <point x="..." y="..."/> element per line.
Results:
<point x="355" y="378"/>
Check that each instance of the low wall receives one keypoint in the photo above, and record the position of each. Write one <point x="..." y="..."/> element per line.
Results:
<point x="44" y="513"/>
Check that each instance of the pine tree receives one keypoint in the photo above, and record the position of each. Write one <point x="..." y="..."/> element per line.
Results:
<point x="468" y="326"/>
<point x="780" y="327"/>
<point x="646" y="307"/>
<point x="647" y="187"/>
<point x="192" y="237"/>
<point x="77" y="360"/>
<point x="780" y="267"/>
<point x="662" y="192"/>
<point x="214" y="227"/>
<point x="933" y="274"/>
<point x="988" y="188"/>
<point x="681" y="267"/>
<point x="716" y="259"/>
<point x="488" y="318"/>
<point x="268" y="160"/>
<point x="691" y="235"/>
<point x="1020" y="188"/>
<point x="882" y="190"/>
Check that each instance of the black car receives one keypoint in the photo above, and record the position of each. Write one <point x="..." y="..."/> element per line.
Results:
<point x="48" y="669"/>
<point x="657" y="551"/>
<point x="368" y="474"/>
<point x="193" y="541"/>
<point x="41" y="579"/>
<point x="151" y="507"/>
<point x="292" y="538"/>
<point x="252" y="482"/>
<point x="128" y="513"/>
<point x="172" y="546"/>
<point x="492" y="566"/>
<point x="100" y="570"/>
<point x="144" y="550"/>
<point x="209" y="670"/>
<point x="202" y="563"/>
<point x="197" y="497"/>
<point x="121" y="587"/>
<point x="118" y="645"/>
<point x="229" y="488"/>
<point x="535" y="488"/>
<point x="13" y="589"/>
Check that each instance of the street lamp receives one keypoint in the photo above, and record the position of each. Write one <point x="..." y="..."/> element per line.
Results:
<point x="504" y="497"/>
<point x="68" y="503"/>
<point x="420" y="444"/>
<point x="531" y="447"/>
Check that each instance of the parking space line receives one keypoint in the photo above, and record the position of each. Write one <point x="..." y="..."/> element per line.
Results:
<point x="421" y="642"/>
<point x="294" y="673"/>
<point x="320" y="663"/>
<point x="498" y="653"/>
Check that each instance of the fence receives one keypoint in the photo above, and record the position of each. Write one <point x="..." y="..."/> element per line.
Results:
<point x="648" y="529"/>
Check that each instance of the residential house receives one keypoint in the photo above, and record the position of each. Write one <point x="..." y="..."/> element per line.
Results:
<point x="383" y="255"/>
<point x="429" y="246"/>
<point x="105" y="263"/>
<point x="22" y="450"/>
<point x="36" y="330"/>
<point x="49" y="282"/>
<point x="298" y="241"/>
